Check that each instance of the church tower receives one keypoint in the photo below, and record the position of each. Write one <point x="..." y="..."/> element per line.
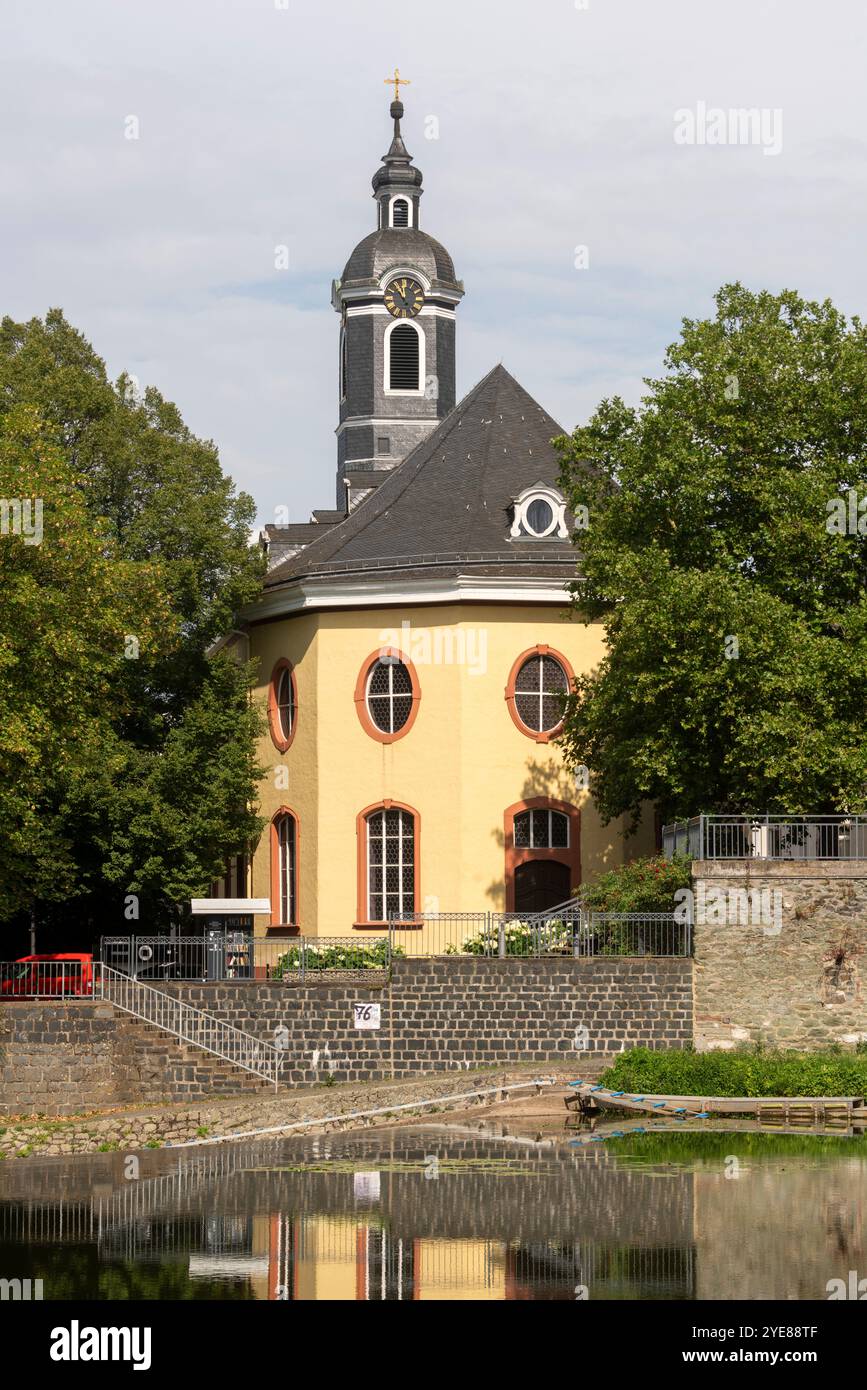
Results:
<point x="396" y="300"/>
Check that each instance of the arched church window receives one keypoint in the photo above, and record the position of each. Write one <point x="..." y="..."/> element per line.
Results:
<point x="404" y="358"/>
<point x="284" y="869"/>
<point x="390" y="852"/>
<point x="542" y="839"/>
<point x="538" y="683"/>
<point x="400" y="213"/>
<point x="387" y="695"/>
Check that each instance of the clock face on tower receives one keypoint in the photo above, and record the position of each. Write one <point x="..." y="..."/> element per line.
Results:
<point x="404" y="297"/>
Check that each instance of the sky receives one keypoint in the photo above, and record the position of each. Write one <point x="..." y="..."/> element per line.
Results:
<point x="557" y="126"/>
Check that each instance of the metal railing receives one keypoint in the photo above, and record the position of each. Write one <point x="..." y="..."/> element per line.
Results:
<point x="567" y="931"/>
<point x="190" y="1025"/>
<point x="767" y="837"/>
<point x="426" y="934"/>
<point x="639" y="934"/>
<point x="46" y="979"/>
<point x="157" y="959"/>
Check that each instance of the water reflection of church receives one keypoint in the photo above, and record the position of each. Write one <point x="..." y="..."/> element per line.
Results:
<point x="358" y="1219"/>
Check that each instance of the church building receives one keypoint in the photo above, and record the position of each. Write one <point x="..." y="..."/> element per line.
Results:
<point x="413" y="641"/>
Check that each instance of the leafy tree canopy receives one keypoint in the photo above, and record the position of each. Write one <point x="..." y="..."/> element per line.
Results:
<point x="160" y="491"/>
<point x="725" y="555"/>
<point x="126" y="755"/>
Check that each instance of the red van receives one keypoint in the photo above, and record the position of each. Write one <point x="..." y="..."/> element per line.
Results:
<point x="35" y="977"/>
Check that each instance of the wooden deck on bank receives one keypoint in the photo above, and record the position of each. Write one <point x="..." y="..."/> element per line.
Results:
<point x="589" y="1095"/>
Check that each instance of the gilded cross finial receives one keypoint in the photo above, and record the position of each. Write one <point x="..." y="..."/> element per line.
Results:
<point x="397" y="82"/>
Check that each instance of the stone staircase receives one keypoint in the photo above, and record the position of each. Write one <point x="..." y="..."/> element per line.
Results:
<point x="153" y="1065"/>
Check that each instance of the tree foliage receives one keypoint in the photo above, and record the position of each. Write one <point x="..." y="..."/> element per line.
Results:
<point x="732" y="596"/>
<point x="126" y="754"/>
<point x="68" y="601"/>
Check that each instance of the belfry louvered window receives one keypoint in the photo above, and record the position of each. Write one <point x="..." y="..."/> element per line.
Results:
<point x="389" y="695"/>
<point x="539" y="689"/>
<point x="343" y="365"/>
<point x="400" y="213"/>
<point x="390" y="864"/>
<point x="403" y="358"/>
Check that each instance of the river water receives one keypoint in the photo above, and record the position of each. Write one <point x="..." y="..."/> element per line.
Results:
<point x="445" y="1211"/>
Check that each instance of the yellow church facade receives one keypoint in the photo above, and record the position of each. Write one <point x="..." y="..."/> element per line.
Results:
<point x="462" y="771"/>
<point x="414" y="643"/>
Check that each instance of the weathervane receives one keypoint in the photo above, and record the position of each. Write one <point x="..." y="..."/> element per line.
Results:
<point x="398" y="82"/>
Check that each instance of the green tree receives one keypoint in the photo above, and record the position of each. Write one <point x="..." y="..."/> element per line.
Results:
<point x="160" y="491"/>
<point x="153" y="500"/>
<point x="178" y="811"/>
<point x="68" y="602"/>
<point x="719" y="556"/>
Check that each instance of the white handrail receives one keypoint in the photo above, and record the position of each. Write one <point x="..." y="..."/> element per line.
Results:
<point x="191" y="1025"/>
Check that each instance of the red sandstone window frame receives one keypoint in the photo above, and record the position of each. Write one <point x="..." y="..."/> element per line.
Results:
<point x="362" y="920"/>
<point x="545" y="735"/>
<point x="522" y="854"/>
<point x="276" y="895"/>
<point x="278" y="738"/>
<point x="361" y="709"/>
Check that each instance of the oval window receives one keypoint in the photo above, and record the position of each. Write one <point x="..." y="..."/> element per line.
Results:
<point x="389" y="695"/>
<point x="540" y="687"/>
<point x="540" y="516"/>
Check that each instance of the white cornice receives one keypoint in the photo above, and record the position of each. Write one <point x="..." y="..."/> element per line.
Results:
<point x="430" y="311"/>
<point x="363" y="591"/>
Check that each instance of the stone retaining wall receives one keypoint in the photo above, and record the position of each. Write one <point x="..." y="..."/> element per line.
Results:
<point x="795" y="980"/>
<point x="446" y="1015"/>
<point x="434" y="1016"/>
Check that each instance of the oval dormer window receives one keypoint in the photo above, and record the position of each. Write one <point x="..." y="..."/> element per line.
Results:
<point x="539" y="514"/>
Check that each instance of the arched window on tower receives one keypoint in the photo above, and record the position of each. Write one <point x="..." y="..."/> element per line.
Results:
<point x="343" y="364"/>
<point x="404" y="358"/>
<point x="400" y="213"/>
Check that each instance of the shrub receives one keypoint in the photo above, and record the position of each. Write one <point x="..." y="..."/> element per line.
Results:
<point x="521" y="939"/>
<point x="644" y="885"/>
<point x="335" y="957"/>
<point x="743" y="1073"/>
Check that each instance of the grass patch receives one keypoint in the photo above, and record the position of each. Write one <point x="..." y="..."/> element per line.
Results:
<point x="713" y="1148"/>
<point x="747" y="1073"/>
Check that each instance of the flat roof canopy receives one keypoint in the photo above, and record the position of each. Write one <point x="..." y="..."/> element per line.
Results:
<point x="229" y="907"/>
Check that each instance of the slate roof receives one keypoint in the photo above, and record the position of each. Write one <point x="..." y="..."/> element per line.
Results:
<point x="449" y="501"/>
<point x="392" y="247"/>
